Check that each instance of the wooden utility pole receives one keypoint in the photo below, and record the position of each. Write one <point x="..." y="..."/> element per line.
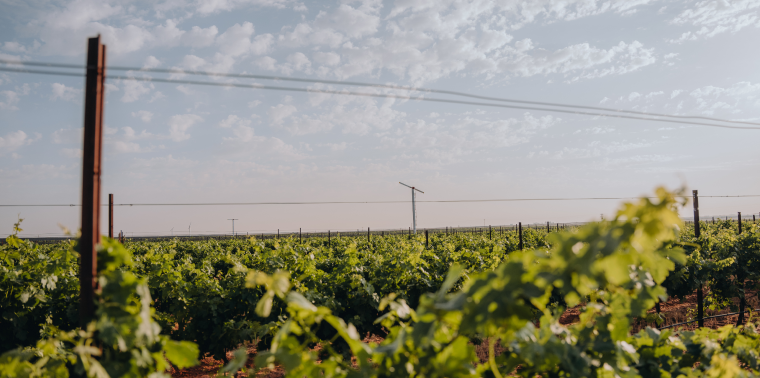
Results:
<point x="91" y="170"/>
<point x="696" y="213"/>
<point x="426" y="239"/>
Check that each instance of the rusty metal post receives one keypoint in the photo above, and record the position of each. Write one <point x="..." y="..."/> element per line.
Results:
<point x="696" y="213"/>
<point x="110" y="215"/>
<point x="91" y="164"/>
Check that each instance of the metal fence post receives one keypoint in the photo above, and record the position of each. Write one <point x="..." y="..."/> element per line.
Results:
<point x="696" y="213"/>
<point x="110" y="215"/>
<point x="519" y="231"/>
<point x="91" y="170"/>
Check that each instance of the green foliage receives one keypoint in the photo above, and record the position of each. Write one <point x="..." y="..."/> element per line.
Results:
<point x="39" y="286"/>
<point x="122" y="341"/>
<point x="722" y="259"/>
<point x="616" y="266"/>
<point x="290" y="295"/>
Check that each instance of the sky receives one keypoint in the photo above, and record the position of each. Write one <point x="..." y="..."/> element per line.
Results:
<point x="183" y="143"/>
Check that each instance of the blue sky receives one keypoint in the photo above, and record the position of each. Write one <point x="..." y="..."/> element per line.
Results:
<point x="185" y="143"/>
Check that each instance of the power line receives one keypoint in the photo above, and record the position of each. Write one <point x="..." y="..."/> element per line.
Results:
<point x="342" y="92"/>
<point x="371" y="202"/>
<point x="373" y="85"/>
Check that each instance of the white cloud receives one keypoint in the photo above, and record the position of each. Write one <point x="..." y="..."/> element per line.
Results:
<point x="8" y="100"/>
<point x="634" y="96"/>
<point x="353" y="22"/>
<point x="120" y="146"/>
<point x="15" y="140"/>
<point x="134" y="89"/>
<point x="143" y="115"/>
<point x="61" y="91"/>
<point x="652" y="95"/>
<point x="675" y="93"/>
<point x="327" y="58"/>
<point x="14" y="47"/>
<point x="236" y="40"/>
<point x="277" y="114"/>
<point x="68" y="136"/>
<point x="714" y="17"/>
<point x="352" y="115"/>
<point x="151" y="62"/>
<point x="464" y="135"/>
<point x="179" y="124"/>
<point x="200" y="37"/>
<point x="337" y="146"/>
<point x="163" y="163"/>
<point x="72" y="152"/>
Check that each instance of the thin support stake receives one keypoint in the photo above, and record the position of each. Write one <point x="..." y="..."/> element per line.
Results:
<point x="110" y="215"/>
<point x="740" y="223"/>
<point x="696" y="214"/>
<point x="519" y="231"/>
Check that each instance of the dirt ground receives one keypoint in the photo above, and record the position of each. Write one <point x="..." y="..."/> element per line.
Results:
<point x="674" y="311"/>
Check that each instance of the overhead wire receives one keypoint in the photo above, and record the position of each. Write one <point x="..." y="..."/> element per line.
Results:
<point x="380" y="95"/>
<point x="373" y="202"/>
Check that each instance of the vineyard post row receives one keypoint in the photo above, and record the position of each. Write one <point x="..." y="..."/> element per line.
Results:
<point x="700" y="291"/>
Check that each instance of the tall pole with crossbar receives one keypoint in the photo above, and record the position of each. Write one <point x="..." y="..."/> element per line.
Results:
<point x="414" y="207"/>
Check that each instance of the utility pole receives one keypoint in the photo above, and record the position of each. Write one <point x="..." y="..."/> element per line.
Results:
<point x="91" y="170"/>
<point x="414" y="209"/>
<point x="233" y="225"/>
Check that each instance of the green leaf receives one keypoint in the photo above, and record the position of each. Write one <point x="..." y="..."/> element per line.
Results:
<point x="182" y="354"/>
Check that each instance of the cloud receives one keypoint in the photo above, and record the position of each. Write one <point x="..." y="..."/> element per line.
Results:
<point x="15" y="140"/>
<point x="162" y="163"/>
<point x="72" y="152"/>
<point x="652" y="95"/>
<point x="134" y="89"/>
<point x="351" y="114"/>
<point x="179" y="124"/>
<point x="151" y="62"/>
<point x="278" y="114"/>
<point x="463" y="135"/>
<point x="8" y="100"/>
<point x="200" y="37"/>
<point x="143" y="115"/>
<point x="337" y="146"/>
<point x="65" y="93"/>
<point x="714" y="17"/>
<point x="68" y="136"/>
